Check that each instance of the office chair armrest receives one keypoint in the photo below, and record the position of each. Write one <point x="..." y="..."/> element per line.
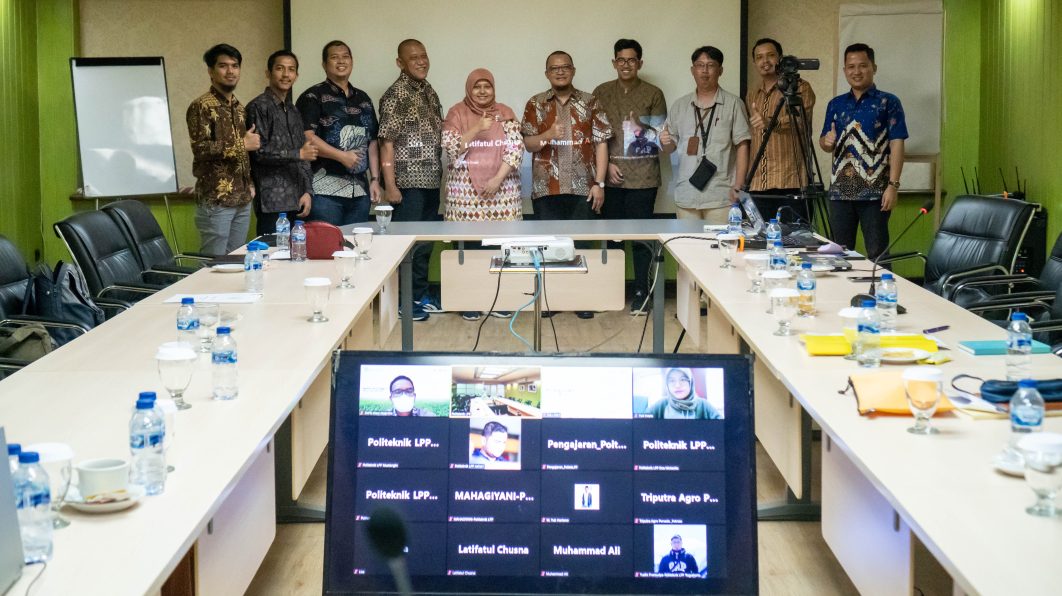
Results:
<point x="23" y="320"/>
<point x="1006" y="303"/>
<point x="949" y="280"/>
<point x="1048" y="325"/>
<point x="161" y="277"/>
<point x="902" y="257"/>
<point x="144" y="289"/>
<point x="11" y="365"/>
<point x="987" y="281"/>
<point x="112" y="306"/>
<point x="195" y="256"/>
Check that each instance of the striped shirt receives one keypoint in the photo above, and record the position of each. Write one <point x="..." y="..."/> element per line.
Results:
<point x="782" y="165"/>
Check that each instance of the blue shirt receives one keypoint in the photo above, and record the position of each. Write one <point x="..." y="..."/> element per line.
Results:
<point x="864" y="129"/>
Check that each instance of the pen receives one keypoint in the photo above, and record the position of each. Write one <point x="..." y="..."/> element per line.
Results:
<point x="936" y="329"/>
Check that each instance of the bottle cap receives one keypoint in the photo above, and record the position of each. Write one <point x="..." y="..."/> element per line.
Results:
<point x="298" y="222"/>
<point x="258" y="245"/>
<point x="145" y="404"/>
<point x="147" y="395"/>
<point x="885" y="276"/>
<point x="1030" y="383"/>
<point x="777" y="243"/>
<point x="1019" y="316"/>
<point x="869" y="303"/>
<point x="805" y="265"/>
<point x="29" y="457"/>
<point x="774" y="220"/>
<point x="283" y="214"/>
<point x="14" y="448"/>
<point x="223" y="330"/>
<point x="187" y="300"/>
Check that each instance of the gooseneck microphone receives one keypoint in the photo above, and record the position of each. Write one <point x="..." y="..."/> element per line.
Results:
<point x="858" y="299"/>
<point x="387" y="533"/>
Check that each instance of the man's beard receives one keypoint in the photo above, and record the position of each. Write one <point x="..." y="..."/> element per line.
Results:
<point x="227" y="88"/>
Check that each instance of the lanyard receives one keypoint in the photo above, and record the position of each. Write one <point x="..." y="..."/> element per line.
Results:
<point x="705" y="132"/>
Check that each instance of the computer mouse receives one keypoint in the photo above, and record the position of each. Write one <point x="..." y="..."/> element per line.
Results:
<point x="831" y="248"/>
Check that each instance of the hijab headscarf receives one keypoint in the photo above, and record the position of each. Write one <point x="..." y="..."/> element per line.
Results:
<point x="484" y="153"/>
<point x="682" y="404"/>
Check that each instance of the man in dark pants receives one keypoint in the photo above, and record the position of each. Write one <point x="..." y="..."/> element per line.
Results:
<point x="865" y="129"/>
<point x="411" y="151"/>
<point x="633" y="174"/>
<point x="567" y="131"/>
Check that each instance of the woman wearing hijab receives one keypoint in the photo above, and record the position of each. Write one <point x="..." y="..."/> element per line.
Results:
<point x="483" y="142"/>
<point x="680" y="400"/>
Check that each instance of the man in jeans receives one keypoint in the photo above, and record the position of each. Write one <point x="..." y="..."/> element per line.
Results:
<point x="411" y="152"/>
<point x="220" y="142"/>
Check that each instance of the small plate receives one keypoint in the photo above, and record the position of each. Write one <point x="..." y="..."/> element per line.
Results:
<point x="227" y="268"/>
<point x="821" y="268"/>
<point x="902" y="355"/>
<point x="1011" y="466"/>
<point x="75" y="500"/>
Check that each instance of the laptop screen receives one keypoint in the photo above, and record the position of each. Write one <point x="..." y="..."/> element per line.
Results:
<point x="756" y="222"/>
<point x="544" y="474"/>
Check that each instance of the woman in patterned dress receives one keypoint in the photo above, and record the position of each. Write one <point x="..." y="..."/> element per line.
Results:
<point x="483" y="143"/>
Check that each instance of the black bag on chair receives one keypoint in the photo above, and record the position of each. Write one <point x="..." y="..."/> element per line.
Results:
<point x="62" y="295"/>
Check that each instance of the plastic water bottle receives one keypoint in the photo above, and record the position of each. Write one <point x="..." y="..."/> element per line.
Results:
<point x="13" y="449"/>
<point x="33" y="498"/>
<point x="777" y="261"/>
<point x="1026" y="410"/>
<point x="1019" y="347"/>
<point x="188" y="322"/>
<point x="298" y="241"/>
<point x="734" y="219"/>
<point x="252" y="268"/>
<point x="147" y="432"/>
<point x="886" y="296"/>
<point x="806" y="285"/>
<point x="773" y="232"/>
<point x="223" y="363"/>
<point x="868" y="341"/>
<point x="283" y="232"/>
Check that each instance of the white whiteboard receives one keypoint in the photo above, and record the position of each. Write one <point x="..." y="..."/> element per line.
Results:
<point x="512" y="38"/>
<point x="908" y="42"/>
<point x="123" y="126"/>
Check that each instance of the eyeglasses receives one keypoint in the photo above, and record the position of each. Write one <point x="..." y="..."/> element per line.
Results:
<point x="560" y="69"/>
<point x="705" y="66"/>
<point x="679" y="380"/>
<point x="626" y="61"/>
<point x="406" y="392"/>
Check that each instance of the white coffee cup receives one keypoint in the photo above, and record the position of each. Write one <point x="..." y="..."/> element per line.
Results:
<point x="102" y="476"/>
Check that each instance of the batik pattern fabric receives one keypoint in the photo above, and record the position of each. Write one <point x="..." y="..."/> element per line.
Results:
<point x="280" y="177"/>
<point x="220" y="163"/>
<point x="864" y="127"/>
<point x="566" y="165"/>
<point x="782" y="165"/>
<point x="348" y="123"/>
<point x="463" y="202"/>
<point x="635" y="146"/>
<point x="411" y="118"/>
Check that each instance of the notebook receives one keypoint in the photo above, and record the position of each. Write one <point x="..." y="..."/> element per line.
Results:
<point x="997" y="347"/>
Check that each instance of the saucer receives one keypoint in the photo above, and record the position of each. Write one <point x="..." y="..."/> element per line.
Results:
<point x="902" y="355"/>
<point x="1011" y="466"/>
<point x="227" y="268"/>
<point x="131" y="496"/>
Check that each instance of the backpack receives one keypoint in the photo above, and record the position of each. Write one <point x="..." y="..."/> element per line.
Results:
<point x="62" y="295"/>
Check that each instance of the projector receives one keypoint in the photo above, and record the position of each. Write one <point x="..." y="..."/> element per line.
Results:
<point x="520" y="250"/>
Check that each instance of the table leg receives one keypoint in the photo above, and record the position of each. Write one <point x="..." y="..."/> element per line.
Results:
<point x="290" y="511"/>
<point x="537" y="340"/>
<point x="793" y="508"/>
<point x="405" y="298"/>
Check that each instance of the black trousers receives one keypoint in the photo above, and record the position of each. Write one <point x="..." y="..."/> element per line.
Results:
<point x="554" y="207"/>
<point x="419" y="204"/>
<point x="632" y="203"/>
<point x="846" y="217"/>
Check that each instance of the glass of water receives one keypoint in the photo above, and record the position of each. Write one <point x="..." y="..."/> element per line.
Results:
<point x="56" y="459"/>
<point x="923" y="386"/>
<point x="755" y="265"/>
<point x="362" y="242"/>
<point x="727" y="244"/>
<point x="1043" y="470"/>
<point x="784" y="305"/>
<point x="774" y="279"/>
<point x="208" y="319"/>
<point x="346" y="263"/>
<point x="176" y="362"/>
<point x="383" y="216"/>
<point x="317" y="295"/>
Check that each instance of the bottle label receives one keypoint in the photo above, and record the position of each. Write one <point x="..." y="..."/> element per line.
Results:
<point x="226" y="357"/>
<point x="866" y="328"/>
<point x="189" y="325"/>
<point x="142" y="440"/>
<point x="1027" y="416"/>
<point x="806" y="285"/>
<point x="43" y="497"/>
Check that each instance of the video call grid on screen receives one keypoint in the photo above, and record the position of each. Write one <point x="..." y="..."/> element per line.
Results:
<point x="534" y="474"/>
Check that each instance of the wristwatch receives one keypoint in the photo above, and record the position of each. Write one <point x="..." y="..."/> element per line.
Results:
<point x="600" y="184"/>
<point x="895" y="184"/>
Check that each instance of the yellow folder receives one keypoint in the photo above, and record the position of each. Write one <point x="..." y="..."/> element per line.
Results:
<point x="881" y="392"/>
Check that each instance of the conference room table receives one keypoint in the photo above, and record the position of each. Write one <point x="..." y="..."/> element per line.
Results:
<point x="882" y="486"/>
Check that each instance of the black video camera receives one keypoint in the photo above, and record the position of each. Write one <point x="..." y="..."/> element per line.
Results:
<point x="788" y="72"/>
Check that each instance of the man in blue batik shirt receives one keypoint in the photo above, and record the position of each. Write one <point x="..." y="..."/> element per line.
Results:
<point x="865" y="130"/>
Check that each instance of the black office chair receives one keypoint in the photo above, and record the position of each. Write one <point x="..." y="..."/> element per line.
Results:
<point x="978" y="236"/>
<point x="106" y="258"/>
<point x="144" y="234"/>
<point x="980" y="291"/>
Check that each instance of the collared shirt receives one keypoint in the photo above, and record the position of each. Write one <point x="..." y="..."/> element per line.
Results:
<point x="782" y="165"/>
<point x="411" y="118"/>
<point x="280" y="177"/>
<point x="864" y="128"/>
<point x="729" y="128"/>
<point x="565" y="165"/>
<point x="220" y="164"/>
<point x="346" y="122"/>
<point x="636" y="152"/>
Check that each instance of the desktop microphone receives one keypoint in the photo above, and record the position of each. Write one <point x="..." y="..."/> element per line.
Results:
<point x="387" y="533"/>
<point x="858" y="299"/>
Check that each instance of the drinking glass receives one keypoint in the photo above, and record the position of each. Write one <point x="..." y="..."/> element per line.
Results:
<point x="317" y="295"/>
<point x="923" y="386"/>
<point x="383" y="216"/>
<point x="208" y="319"/>
<point x="727" y="244"/>
<point x="774" y="279"/>
<point x="346" y="263"/>
<point x="784" y="305"/>
<point x="362" y="242"/>
<point x="56" y="460"/>
<point x="755" y="265"/>
<point x="176" y="362"/>
<point x="1043" y="470"/>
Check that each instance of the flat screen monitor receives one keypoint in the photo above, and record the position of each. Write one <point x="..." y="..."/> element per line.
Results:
<point x="539" y="474"/>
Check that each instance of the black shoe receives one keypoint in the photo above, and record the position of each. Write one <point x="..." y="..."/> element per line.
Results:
<point x="642" y="304"/>
<point x="502" y="314"/>
<point x="584" y="314"/>
<point x="471" y="315"/>
<point x="547" y="314"/>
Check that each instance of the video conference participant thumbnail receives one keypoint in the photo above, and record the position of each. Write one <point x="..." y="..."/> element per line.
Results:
<point x="492" y="549"/>
<point x="583" y="444"/>
<point x="678" y="393"/>
<point x="679" y="498"/>
<point x="672" y="445"/>
<point x="496" y="443"/>
<point x="405" y="391"/>
<point x="417" y="495"/>
<point x="587" y="551"/>
<point x="690" y="551"/>
<point x="477" y="496"/>
<point x="586" y="497"/>
<point x="395" y="442"/>
<point x="424" y="553"/>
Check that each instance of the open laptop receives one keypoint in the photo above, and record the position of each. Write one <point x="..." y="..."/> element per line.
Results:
<point x="755" y="234"/>
<point x="10" y="539"/>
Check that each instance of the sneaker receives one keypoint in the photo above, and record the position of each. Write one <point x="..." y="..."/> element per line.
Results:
<point x="418" y="313"/>
<point x="471" y="315"/>
<point x="502" y="314"/>
<point x="637" y="302"/>
<point x="547" y="314"/>
<point x="584" y="314"/>
<point x="430" y="304"/>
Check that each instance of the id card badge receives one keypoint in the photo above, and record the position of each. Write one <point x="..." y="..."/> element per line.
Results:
<point x="693" y="145"/>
